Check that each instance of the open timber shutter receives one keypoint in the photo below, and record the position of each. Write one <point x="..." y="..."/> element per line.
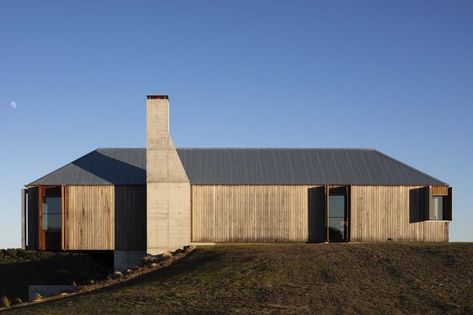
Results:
<point x="32" y="218"/>
<point x="447" y="215"/>
<point x="317" y="215"/>
<point x="426" y="202"/>
<point x="348" y="207"/>
<point x="327" y="213"/>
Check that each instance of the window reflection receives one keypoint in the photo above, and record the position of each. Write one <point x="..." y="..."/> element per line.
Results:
<point x="437" y="203"/>
<point x="51" y="213"/>
<point x="337" y="218"/>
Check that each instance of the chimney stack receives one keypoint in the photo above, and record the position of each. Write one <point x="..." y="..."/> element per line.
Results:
<point x="167" y="185"/>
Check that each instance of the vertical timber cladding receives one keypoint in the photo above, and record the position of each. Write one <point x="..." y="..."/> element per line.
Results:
<point x="130" y="217"/>
<point x="89" y="218"/>
<point x="168" y="188"/>
<point x="380" y="213"/>
<point x="250" y="213"/>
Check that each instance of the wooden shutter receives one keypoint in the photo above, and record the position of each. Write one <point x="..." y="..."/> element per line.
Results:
<point x="448" y="205"/>
<point x="426" y="202"/>
<point x="348" y="205"/>
<point x="32" y="218"/>
<point x="317" y="217"/>
<point x="327" y="212"/>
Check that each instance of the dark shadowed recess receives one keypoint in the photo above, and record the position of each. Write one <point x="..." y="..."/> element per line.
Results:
<point x="20" y="268"/>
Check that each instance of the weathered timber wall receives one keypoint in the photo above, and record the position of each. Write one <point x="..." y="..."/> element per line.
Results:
<point x="379" y="213"/>
<point x="250" y="213"/>
<point x="89" y="218"/>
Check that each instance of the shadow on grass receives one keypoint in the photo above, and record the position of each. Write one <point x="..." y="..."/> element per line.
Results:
<point x="186" y="265"/>
<point x="53" y="269"/>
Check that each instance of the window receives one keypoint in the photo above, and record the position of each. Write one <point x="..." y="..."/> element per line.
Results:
<point x="337" y="218"/>
<point x="51" y="213"/>
<point x="437" y="208"/>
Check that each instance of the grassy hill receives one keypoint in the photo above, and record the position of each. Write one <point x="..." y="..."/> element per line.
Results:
<point x="293" y="278"/>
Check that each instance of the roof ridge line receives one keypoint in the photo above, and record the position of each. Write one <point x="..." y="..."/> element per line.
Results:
<point x="119" y="148"/>
<point x="271" y="148"/>
<point x="243" y="148"/>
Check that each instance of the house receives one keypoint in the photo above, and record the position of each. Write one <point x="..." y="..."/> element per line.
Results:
<point x="136" y="200"/>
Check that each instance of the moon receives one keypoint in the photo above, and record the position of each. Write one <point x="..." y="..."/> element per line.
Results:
<point x="13" y="104"/>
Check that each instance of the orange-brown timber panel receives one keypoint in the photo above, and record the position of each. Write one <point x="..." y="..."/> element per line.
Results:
<point x="89" y="218"/>
<point x="440" y="190"/>
<point x="380" y="213"/>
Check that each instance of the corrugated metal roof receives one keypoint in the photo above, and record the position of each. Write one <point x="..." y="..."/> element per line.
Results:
<point x="101" y="167"/>
<point x="245" y="166"/>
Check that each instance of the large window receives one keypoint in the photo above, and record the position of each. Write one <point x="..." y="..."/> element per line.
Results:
<point x="51" y="213"/>
<point x="337" y="218"/>
<point x="437" y="208"/>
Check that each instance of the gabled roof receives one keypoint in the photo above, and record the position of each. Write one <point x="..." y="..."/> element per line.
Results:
<point x="246" y="166"/>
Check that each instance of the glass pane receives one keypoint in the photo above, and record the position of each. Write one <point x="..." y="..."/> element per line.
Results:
<point x="437" y="208"/>
<point x="51" y="205"/>
<point x="51" y="222"/>
<point x="337" y="229"/>
<point x="337" y="206"/>
<point x="52" y="213"/>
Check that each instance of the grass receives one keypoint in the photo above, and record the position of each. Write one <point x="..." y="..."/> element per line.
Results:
<point x="293" y="278"/>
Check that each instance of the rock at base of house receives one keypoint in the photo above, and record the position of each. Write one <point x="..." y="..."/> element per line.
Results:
<point x="150" y="259"/>
<point x="37" y="292"/>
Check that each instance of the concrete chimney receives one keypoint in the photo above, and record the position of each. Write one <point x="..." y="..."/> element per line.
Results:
<point x="167" y="185"/>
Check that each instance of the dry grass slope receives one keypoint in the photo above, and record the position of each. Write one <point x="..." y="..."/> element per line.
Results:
<point x="305" y="278"/>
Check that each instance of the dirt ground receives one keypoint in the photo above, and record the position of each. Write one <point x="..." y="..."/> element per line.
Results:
<point x="293" y="278"/>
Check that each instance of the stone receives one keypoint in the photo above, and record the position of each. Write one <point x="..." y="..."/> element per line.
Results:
<point x="115" y="275"/>
<point x="37" y="292"/>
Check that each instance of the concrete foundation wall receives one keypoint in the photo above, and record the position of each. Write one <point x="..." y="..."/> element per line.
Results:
<point x="123" y="259"/>
<point x="168" y="188"/>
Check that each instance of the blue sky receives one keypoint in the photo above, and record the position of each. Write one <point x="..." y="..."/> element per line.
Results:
<point x="393" y="75"/>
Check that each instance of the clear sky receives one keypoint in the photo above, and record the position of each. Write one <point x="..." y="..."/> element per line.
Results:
<point x="393" y="75"/>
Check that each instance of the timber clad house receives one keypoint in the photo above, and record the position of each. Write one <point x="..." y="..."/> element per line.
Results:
<point x="134" y="201"/>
